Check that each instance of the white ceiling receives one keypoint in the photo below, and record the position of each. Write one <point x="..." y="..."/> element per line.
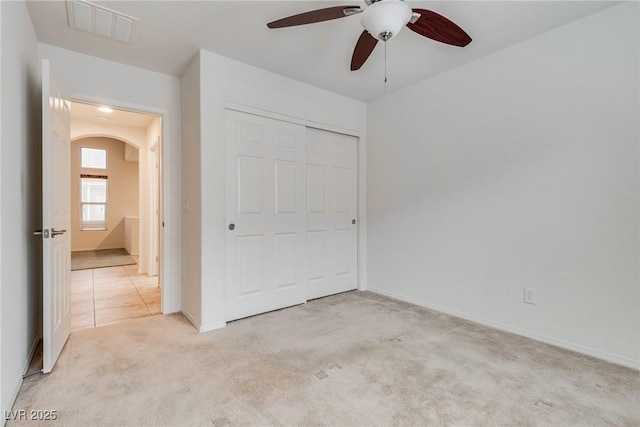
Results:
<point x="88" y="112"/>
<point x="169" y="33"/>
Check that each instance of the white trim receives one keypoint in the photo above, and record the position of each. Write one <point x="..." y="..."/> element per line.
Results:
<point x="291" y="119"/>
<point x="119" y="105"/>
<point x="213" y="326"/>
<point x="362" y="213"/>
<point x="32" y="352"/>
<point x="166" y="306"/>
<point x="202" y="328"/>
<point x="558" y="342"/>
<point x="191" y="318"/>
<point x="154" y="171"/>
<point x="3" y="422"/>
<point x="25" y="369"/>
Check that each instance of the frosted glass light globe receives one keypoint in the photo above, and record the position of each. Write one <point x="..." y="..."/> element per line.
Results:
<point x="385" y="18"/>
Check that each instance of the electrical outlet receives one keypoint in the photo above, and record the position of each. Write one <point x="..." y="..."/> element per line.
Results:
<point x="529" y="296"/>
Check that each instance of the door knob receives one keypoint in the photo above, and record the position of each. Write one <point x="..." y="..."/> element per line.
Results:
<point x="232" y="226"/>
<point x="55" y="232"/>
<point x="353" y="221"/>
<point x="44" y="233"/>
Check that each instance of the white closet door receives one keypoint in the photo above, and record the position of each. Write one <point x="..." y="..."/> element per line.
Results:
<point x="331" y="213"/>
<point x="265" y="213"/>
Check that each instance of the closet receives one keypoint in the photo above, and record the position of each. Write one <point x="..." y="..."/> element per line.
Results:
<point x="291" y="220"/>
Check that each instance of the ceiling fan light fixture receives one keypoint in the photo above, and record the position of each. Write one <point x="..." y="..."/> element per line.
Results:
<point x="385" y="18"/>
<point x="382" y="20"/>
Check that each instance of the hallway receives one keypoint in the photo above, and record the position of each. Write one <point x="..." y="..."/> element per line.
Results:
<point x="102" y="296"/>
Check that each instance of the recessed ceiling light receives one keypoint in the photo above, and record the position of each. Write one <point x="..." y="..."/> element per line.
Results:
<point x="105" y="109"/>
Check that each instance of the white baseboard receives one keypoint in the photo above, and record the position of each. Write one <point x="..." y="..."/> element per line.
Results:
<point x="191" y="319"/>
<point x="172" y="308"/>
<point x="98" y="249"/>
<point x="213" y="326"/>
<point x="32" y="352"/>
<point x="558" y="342"/>
<point x="25" y="368"/>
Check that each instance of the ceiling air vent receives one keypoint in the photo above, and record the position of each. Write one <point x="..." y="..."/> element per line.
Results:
<point x="98" y="20"/>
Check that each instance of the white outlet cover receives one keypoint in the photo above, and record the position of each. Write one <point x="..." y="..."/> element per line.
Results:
<point x="529" y="296"/>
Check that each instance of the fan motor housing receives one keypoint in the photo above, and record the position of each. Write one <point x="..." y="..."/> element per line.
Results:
<point x="384" y="19"/>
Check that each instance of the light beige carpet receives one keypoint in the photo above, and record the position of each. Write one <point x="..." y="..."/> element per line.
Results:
<point x="355" y="359"/>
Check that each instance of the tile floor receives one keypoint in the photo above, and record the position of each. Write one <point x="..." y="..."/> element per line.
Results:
<point x="107" y="295"/>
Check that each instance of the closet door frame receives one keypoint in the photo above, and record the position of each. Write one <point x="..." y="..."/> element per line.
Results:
<point x="361" y="148"/>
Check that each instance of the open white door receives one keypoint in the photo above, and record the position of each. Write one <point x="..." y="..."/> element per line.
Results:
<point x="154" y="209"/>
<point x="56" y="220"/>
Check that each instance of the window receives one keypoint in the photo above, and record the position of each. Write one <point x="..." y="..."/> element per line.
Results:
<point x="93" y="158"/>
<point x="93" y="202"/>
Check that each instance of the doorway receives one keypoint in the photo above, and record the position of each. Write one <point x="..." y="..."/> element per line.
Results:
<point x="115" y="178"/>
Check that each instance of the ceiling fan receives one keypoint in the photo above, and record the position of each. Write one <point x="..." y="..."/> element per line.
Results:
<point x="383" y="20"/>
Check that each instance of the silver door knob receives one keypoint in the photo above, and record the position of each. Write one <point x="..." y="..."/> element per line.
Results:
<point x="232" y="226"/>
<point x="55" y="232"/>
<point x="44" y="233"/>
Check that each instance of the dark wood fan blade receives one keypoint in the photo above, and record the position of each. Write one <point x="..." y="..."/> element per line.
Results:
<point x="364" y="47"/>
<point x="311" y="17"/>
<point x="439" y="28"/>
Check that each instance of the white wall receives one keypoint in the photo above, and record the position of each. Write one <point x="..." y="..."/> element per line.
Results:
<point x="131" y="135"/>
<point x="520" y="169"/>
<point x="100" y="81"/>
<point x="224" y="83"/>
<point x="20" y="195"/>
<point x="191" y="179"/>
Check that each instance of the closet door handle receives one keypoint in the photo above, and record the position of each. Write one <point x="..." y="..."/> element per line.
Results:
<point x="232" y="226"/>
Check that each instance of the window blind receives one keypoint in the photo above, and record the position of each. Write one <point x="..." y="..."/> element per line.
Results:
<point x="93" y="202"/>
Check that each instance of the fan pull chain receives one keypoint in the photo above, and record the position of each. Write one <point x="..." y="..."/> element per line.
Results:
<point x="385" y="68"/>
